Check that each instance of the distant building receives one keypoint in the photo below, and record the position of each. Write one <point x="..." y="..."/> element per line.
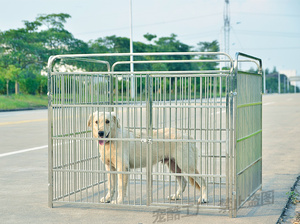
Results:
<point x="290" y="73"/>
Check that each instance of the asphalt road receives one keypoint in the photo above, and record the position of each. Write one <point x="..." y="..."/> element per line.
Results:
<point x="23" y="172"/>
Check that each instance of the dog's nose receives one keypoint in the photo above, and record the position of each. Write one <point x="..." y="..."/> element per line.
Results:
<point x="100" y="133"/>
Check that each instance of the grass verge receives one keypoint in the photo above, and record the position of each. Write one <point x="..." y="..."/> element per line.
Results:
<point x="20" y="101"/>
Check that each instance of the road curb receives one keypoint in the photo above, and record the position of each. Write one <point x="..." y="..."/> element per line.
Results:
<point x="23" y="109"/>
<point x="280" y="219"/>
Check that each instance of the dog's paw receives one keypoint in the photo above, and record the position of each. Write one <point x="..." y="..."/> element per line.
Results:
<point x="202" y="200"/>
<point x="105" y="200"/>
<point x="174" y="197"/>
<point x="118" y="201"/>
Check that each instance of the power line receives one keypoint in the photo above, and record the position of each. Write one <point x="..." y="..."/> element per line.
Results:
<point x="267" y="14"/>
<point x="151" y="24"/>
<point x="268" y="33"/>
<point x="202" y="34"/>
<point x="275" y="48"/>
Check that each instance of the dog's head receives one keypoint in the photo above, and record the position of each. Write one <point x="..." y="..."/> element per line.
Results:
<point x="104" y="125"/>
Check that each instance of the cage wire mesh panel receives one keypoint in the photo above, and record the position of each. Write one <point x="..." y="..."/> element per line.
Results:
<point x="74" y="158"/>
<point x="156" y="134"/>
<point x="198" y="113"/>
<point x="248" y="158"/>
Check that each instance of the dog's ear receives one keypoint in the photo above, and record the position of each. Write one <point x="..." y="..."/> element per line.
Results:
<point x="116" y="119"/>
<point x="89" y="123"/>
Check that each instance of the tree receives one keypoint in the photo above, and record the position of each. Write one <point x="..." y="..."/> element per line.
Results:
<point x="29" y="48"/>
<point x="208" y="47"/>
<point x="53" y="21"/>
<point x="30" y="83"/>
<point x="12" y="74"/>
<point x="171" y="44"/>
<point x="42" y="81"/>
<point x="33" y="45"/>
<point x="150" y="37"/>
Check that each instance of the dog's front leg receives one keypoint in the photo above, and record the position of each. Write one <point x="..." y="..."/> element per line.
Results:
<point x="111" y="183"/>
<point x="122" y="185"/>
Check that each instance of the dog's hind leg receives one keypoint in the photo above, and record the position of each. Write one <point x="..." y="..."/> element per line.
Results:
<point x="180" y="179"/>
<point x="188" y="164"/>
<point x="200" y="184"/>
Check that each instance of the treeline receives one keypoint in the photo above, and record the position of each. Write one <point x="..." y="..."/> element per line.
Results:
<point x="25" y="51"/>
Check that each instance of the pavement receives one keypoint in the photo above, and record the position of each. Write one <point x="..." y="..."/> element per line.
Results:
<point x="24" y="164"/>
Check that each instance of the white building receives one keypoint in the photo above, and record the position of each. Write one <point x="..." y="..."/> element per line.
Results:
<point x="289" y="74"/>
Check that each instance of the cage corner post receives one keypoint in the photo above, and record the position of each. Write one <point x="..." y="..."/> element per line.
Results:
<point x="50" y="139"/>
<point x="149" y="94"/>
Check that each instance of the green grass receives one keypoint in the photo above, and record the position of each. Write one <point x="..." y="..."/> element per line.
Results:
<point x="14" y="102"/>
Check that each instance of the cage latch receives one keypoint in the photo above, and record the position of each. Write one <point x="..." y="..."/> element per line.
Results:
<point x="148" y="141"/>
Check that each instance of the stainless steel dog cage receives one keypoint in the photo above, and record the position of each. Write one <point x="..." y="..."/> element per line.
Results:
<point x="205" y="96"/>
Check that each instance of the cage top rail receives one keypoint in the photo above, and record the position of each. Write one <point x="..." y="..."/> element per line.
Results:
<point x="166" y="61"/>
<point x="78" y="56"/>
<point x="202" y="73"/>
<point x="52" y="58"/>
<point x="93" y="58"/>
<point x="253" y="59"/>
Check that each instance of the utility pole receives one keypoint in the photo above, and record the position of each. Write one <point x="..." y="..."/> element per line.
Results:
<point x="132" y="86"/>
<point x="226" y="27"/>
<point x="278" y="82"/>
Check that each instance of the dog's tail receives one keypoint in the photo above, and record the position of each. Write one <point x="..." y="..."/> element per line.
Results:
<point x="193" y="181"/>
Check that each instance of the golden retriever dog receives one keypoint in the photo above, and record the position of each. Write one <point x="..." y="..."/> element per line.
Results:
<point x="124" y="155"/>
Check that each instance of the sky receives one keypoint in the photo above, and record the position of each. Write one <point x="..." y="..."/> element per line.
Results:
<point x="268" y="29"/>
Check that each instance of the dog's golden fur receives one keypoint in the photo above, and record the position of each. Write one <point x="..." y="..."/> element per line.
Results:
<point x="123" y="155"/>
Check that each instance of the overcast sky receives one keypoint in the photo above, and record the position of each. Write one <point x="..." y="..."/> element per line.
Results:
<point x="269" y="29"/>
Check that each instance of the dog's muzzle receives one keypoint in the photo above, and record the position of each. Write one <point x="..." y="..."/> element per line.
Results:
<point x="101" y="135"/>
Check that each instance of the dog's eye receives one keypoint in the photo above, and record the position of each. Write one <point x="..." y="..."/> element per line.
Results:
<point x="96" y="122"/>
<point x="107" y="121"/>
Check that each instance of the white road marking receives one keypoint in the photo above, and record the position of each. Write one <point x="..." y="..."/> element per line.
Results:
<point x="265" y="104"/>
<point x="21" y="122"/>
<point x="22" y="151"/>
